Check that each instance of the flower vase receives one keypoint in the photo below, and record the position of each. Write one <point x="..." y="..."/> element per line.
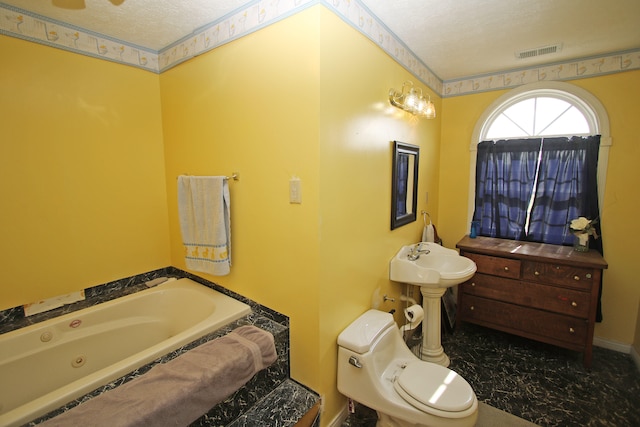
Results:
<point x="581" y="242"/>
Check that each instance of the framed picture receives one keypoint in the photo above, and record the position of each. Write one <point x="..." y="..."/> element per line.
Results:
<point x="404" y="183"/>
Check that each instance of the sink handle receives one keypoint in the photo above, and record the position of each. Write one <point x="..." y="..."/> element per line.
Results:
<point x="416" y="251"/>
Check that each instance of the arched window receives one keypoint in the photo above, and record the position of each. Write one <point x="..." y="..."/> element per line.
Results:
<point x="544" y="111"/>
<point x="538" y="115"/>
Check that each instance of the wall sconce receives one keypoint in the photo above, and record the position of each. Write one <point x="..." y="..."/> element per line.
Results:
<point x="410" y="99"/>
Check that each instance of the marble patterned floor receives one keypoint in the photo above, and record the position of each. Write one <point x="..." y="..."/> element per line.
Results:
<point x="540" y="383"/>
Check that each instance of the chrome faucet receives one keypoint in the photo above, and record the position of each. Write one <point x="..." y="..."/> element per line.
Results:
<point x="416" y="251"/>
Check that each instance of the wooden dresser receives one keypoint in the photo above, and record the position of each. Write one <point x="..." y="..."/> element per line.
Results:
<point x="539" y="291"/>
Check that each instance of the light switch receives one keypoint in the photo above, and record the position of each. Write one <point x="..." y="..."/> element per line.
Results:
<point x="295" y="190"/>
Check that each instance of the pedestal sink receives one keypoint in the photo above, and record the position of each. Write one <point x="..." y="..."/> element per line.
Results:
<point x="434" y="268"/>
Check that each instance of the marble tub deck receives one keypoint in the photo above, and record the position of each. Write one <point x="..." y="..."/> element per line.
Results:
<point x="270" y="398"/>
<point x="540" y="383"/>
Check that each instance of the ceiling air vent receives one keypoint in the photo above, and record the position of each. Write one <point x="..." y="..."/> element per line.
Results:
<point x="545" y="50"/>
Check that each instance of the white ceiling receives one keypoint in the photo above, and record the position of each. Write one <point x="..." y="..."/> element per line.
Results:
<point x="454" y="38"/>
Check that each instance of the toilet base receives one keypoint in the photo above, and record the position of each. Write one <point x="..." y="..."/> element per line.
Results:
<point x="384" y="420"/>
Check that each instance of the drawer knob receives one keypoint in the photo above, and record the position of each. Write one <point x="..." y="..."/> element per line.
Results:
<point x="472" y="308"/>
<point x="537" y="273"/>
<point x="506" y="269"/>
<point x="588" y="276"/>
<point x="574" y="304"/>
<point x="576" y="277"/>
<point x="571" y="330"/>
<point x="473" y="283"/>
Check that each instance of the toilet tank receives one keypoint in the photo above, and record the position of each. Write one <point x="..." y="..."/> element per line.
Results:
<point x="365" y="330"/>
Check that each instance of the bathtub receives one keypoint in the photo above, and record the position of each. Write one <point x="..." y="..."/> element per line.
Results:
<point x="45" y="365"/>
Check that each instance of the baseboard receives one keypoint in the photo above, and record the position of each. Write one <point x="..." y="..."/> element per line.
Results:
<point x="340" y="418"/>
<point x="612" y="345"/>
<point x="636" y="357"/>
<point x="618" y="346"/>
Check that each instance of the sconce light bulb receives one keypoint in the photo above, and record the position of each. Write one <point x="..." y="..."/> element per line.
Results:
<point x="430" y="111"/>
<point x="421" y="107"/>
<point x="411" y="101"/>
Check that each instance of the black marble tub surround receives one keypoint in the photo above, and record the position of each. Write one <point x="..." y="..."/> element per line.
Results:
<point x="251" y="405"/>
<point x="14" y="318"/>
<point x="283" y="403"/>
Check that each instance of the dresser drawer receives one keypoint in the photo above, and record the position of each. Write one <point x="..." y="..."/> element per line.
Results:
<point x="564" y="275"/>
<point x="550" y="298"/>
<point x="529" y="322"/>
<point x="496" y="266"/>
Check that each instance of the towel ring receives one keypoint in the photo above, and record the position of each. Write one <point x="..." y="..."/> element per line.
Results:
<point x="425" y="214"/>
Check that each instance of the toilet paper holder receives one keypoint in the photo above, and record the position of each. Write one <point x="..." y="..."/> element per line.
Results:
<point x="414" y="315"/>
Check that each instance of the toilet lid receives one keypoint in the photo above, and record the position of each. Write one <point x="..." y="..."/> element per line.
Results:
<point x="429" y="386"/>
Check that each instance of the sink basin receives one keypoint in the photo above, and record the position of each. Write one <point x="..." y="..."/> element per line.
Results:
<point x="439" y="268"/>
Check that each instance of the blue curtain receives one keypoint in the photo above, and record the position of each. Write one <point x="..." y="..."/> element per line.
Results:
<point x="566" y="189"/>
<point x="560" y="172"/>
<point x="505" y="177"/>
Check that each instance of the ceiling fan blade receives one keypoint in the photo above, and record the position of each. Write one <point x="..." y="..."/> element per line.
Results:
<point x="69" y="4"/>
<point x="78" y="4"/>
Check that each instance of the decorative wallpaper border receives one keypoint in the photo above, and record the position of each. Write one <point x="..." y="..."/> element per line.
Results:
<point x="239" y="23"/>
<point x="570" y="70"/>
<point x="362" y="19"/>
<point x="32" y="27"/>
<point x="261" y="13"/>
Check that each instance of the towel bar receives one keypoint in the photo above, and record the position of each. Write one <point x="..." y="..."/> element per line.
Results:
<point x="234" y="176"/>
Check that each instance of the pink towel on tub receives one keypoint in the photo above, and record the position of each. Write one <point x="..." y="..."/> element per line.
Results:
<point x="180" y="391"/>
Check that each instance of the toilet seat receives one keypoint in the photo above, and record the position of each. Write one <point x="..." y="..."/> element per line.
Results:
<point x="433" y="388"/>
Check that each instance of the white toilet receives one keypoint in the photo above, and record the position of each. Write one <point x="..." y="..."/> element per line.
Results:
<point x="377" y="369"/>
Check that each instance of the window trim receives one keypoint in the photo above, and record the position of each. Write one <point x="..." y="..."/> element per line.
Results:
<point x="593" y="110"/>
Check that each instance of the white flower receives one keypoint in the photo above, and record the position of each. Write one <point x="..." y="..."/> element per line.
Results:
<point x="580" y="223"/>
<point x="583" y="227"/>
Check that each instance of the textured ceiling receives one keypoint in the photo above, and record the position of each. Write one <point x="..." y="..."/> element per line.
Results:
<point x="461" y="38"/>
<point x="454" y="38"/>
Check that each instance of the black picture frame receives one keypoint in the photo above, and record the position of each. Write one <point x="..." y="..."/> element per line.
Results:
<point x="404" y="183"/>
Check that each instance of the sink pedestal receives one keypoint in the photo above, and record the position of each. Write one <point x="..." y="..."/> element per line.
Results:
<point x="432" y="350"/>
<point x="434" y="268"/>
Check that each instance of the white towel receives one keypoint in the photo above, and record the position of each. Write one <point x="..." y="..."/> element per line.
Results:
<point x="205" y="223"/>
<point x="428" y="234"/>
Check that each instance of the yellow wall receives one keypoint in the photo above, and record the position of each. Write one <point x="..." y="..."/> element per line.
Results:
<point x="89" y="174"/>
<point x="249" y="108"/>
<point x="310" y="108"/>
<point x="619" y="93"/>
<point x="357" y="126"/>
<point x="81" y="173"/>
